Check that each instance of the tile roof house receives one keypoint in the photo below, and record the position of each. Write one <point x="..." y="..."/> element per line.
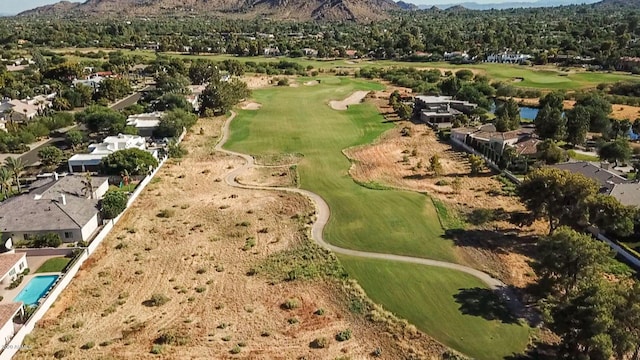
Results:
<point x="7" y="328"/>
<point x="111" y="144"/>
<point x="628" y="194"/>
<point x="603" y="176"/>
<point x="59" y="206"/>
<point x="11" y="265"/>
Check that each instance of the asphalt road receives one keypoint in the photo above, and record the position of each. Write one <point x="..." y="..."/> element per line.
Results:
<point x="31" y="157"/>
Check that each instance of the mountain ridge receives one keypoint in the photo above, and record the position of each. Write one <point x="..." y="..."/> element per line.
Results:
<point x="332" y="10"/>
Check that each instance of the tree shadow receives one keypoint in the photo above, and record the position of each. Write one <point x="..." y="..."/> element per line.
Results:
<point x="484" y="303"/>
<point x="497" y="240"/>
<point x="537" y="351"/>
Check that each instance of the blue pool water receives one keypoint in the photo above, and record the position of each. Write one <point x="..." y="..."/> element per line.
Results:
<point x="35" y="289"/>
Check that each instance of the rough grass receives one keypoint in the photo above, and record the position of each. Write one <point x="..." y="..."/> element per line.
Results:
<point x="425" y="296"/>
<point x="53" y="265"/>
<point x="388" y="221"/>
<point x="581" y="157"/>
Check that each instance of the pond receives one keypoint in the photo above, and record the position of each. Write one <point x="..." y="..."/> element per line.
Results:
<point x="526" y="112"/>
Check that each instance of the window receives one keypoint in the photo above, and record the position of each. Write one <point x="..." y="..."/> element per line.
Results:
<point x="21" y="266"/>
<point x="68" y="235"/>
<point x="12" y="272"/>
<point x="27" y="237"/>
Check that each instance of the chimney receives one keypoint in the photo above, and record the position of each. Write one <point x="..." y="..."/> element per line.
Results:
<point x="604" y="165"/>
<point x="55" y="176"/>
<point x="63" y="199"/>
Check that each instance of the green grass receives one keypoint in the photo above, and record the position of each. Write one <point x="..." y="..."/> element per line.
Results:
<point x="369" y="217"/>
<point x="400" y="222"/>
<point x="126" y="188"/>
<point x="582" y="157"/>
<point x="539" y="77"/>
<point x="424" y="295"/>
<point x="53" y="265"/>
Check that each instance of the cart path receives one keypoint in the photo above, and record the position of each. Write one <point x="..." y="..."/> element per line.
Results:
<point x="322" y="217"/>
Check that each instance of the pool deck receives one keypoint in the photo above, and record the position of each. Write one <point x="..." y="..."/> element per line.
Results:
<point x="9" y="295"/>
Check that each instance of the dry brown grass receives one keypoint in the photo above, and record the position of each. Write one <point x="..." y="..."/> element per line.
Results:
<point x="195" y="258"/>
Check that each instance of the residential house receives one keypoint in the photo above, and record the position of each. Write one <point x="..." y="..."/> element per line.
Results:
<point x="93" y="81"/>
<point x="11" y="265"/>
<point x="310" y="52"/>
<point x="448" y="56"/>
<point x="605" y="178"/>
<point x="111" y="144"/>
<point x="509" y="58"/>
<point x="627" y="193"/>
<point x="492" y="144"/>
<point x="26" y="109"/>
<point x="440" y="111"/>
<point x="3" y="124"/>
<point x="7" y="328"/>
<point x="271" y="51"/>
<point x="146" y="123"/>
<point x="195" y="92"/>
<point x="61" y="205"/>
<point x="628" y="63"/>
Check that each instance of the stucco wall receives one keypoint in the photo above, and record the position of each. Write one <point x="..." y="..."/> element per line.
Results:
<point x="6" y="333"/>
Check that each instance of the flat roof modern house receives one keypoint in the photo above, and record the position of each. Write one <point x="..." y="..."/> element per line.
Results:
<point x="440" y="111"/>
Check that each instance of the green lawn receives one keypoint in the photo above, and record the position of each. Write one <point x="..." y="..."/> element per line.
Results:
<point x="582" y="157"/>
<point x="299" y="120"/>
<point x="439" y="298"/>
<point x="53" y="265"/>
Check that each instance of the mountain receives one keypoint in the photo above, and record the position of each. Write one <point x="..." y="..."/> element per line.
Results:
<point x="516" y="4"/>
<point x="619" y="3"/>
<point x="407" y="6"/>
<point x="332" y="10"/>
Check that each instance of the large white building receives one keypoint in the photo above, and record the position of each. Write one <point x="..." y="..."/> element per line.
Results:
<point x="507" y="57"/>
<point x="111" y="144"/>
<point x="145" y="123"/>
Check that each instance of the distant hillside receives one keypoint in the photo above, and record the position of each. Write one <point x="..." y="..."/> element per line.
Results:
<point x="515" y="4"/>
<point x="619" y="3"/>
<point x="333" y="10"/>
<point x="407" y="6"/>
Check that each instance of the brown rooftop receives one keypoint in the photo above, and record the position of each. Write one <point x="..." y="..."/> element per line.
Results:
<point x="8" y="311"/>
<point x="7" y="261"/>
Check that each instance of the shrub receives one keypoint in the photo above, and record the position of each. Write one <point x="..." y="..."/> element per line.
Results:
<point x="65" y="338"/>
<point x="135" y="161"/>
<point x="344" y="335"/>
<point x="201" y="271"/>
<point x="157" y="300"/>
<point x="60" y="354"/>
<point x="235" y="350"/>
<point x="114" y="203"/>
<point x="166" y="213"/>
<point x="78" y="324"/>
<point x="249" y="243"/>
<point x="46" y="240"/>
<point x="106" y="343"/>
<point x="292" y="321"/>
<point x="320" y="343"/>
<point x="226" y="338"/>
<point x="242" y="344"/>
<point x="121" y="246"/>
<point x="157" y="349"/>
<point x="319" y="312"/>
<point x="171" y="337"/>
<point x="291" y="304"/>
<point x="201" y="289"/>
<point x="88" y="345"/>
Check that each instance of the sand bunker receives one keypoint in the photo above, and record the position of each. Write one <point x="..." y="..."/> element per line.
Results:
<point x="312" y="83"/>
<point x="355" y="98"/>
<point x="251" y="106"/>
<point x="294" y="85"/>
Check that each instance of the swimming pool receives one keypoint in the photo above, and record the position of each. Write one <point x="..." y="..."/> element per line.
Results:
<point x="35" y="289"/>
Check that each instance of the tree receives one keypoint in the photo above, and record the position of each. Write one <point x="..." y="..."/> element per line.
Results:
<point x="477" y="164"/>
<point x="618" y="150"/>
<point x="87" y="185"/>
<point x="508" y="114"/>
<point x="135" y="161"/>
<point x="114" y="89"/>
<point x="219" y="97"/>
<point x="550" y="124"/>
<point x="551" y="153"/>
<point x="114" y="203"/>
<point x="50" y="156"/>
<point x="554" y="100"/>
<point x="450" y="86"/>
<point x="568" y="257"/>
<point x="201" y="71"/>
<point x="560" y="196"/>
<point x="74" y="138"/>
<point x="434" y="165"/>
<point x="404" y="111"/>
<point x="5" y="182"/>
<point x="101" y="119"/>
<point x="626" y="330"/>
<point x="577" y="125"/>
<point x="16" y="167"/>
<point x="464" y="74"/>
<point x="608" y="214"/>
<point x="176" y="84"/>
<point x="598" y="109"/>
<point x="173" y="122"/>
<point x="172" y="101"/>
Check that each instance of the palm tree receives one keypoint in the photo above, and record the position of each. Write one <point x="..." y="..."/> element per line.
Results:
<point x="87" y="185"/>
<point x="16" y="168"/>
<point x="5" y="181"/>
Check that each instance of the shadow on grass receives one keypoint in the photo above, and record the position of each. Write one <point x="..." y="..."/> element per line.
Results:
<point x="500" y="241"/>
<point x="537" y="351"/>
<point x="484" y="303"/>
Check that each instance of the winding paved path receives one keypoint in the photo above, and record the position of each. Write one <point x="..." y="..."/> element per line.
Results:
<point x="323" y="213"/>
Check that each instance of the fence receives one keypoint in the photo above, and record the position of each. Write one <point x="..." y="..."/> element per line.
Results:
<point x="47" y="252"/>
<point x="15" y="344"/>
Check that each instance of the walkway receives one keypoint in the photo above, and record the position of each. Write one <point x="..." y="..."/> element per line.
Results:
<point x="323" y="213"/>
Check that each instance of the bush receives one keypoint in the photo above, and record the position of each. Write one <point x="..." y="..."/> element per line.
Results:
<point x="291" y="304"/>
<point x="319" y="312"/>
<point x="320" y="343"/>
<point x="235" y="350"/>
<point x="135" y="161"/>
<point x="166" y="213"/>
<point x="157" y="300"/>
<point x="114" y="203"/>
<point x="157" y="349"/>
<point x="88" y="345"/>
<point x="344" y="335"/>
<point x="65" y="338"/>
<point x="46" y="240"/>
<point x="170" y="337"/>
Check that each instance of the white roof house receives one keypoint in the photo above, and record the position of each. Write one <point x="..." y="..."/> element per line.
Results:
<point x="93" y="81"/>
<point x="111" y="144"/>
<point x="145" y="123"/>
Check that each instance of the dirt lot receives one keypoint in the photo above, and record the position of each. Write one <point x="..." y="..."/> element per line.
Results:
<point x="281" y="176"/>
<point x="402" y="161"/>
<point x="192" y="239"/>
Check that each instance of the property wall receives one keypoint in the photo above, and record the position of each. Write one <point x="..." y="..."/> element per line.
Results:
<point x="6" y="333"/>
<point x="47" y="252"/>
<point x="88" y="229"/>
<point x="19" y="236"/>
<point x="101" y="190"/>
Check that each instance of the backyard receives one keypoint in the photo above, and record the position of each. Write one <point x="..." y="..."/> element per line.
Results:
<point x="385" y="221"/>
<point x="56" y="264"/>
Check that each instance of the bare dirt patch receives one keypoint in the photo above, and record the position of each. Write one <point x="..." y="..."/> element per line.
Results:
<point x="277" y="159"/>
<point x="353" y="99"/>
<point x="257" y="82"/>
<point x="249" y="105"/>
<point x="193" y="240"/>
<point x="277" y="176"/>
<point x="312" y="83"/>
